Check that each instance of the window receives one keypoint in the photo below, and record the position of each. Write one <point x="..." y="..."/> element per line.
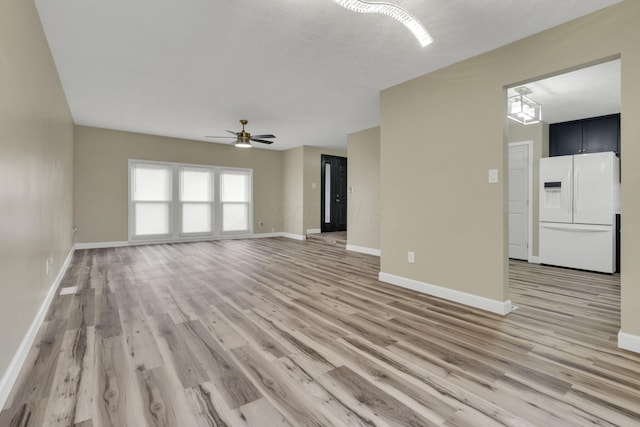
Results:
<point x="235" y="197"/>
<point x="170" y="201"/>
<point x="196" y="199"/>
<point x="151" y="199"/>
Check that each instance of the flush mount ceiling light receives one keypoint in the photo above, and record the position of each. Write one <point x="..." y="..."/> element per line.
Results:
<point x="522" y="109"/>
<point x="396" y="12"/>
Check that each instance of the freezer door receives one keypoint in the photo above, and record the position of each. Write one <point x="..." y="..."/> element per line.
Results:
<point x="587" y="247"/>
<point x="595" y="177"/>
<point x="556" y="193"/>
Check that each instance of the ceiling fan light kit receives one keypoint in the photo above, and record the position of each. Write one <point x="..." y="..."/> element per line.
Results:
<point x="244" y="138"/>
<point x="396" y="12"/>
<point x="523" y="109"/>
<point x="242" y="143"/>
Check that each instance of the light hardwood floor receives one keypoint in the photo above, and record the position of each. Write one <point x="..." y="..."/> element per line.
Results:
<point x="276" y="332"/>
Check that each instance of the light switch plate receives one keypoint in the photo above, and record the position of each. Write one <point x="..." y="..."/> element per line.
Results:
<point x="493" y="176"/>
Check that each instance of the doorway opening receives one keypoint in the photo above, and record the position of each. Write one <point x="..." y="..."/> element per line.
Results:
<point x="333" y="202"/>
<point x="579" y="113"/>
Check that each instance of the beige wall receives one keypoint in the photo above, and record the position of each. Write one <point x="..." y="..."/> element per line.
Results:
<point x="363" y="222"/>
<point x="301" y="199"/>
<point x="539" y="135"/>
<point x="312" y="175"/>
<point x="293" y="195"/>
<point x="36" y="172"/>
<point x="436" y="151"/>
<point x="101" y="177"/>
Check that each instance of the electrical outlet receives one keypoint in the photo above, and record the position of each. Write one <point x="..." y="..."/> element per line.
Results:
<point x="411" y="257"/>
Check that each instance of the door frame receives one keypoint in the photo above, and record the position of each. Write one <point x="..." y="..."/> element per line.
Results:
<point x="528" y="143"/>
<point x="329" y="158"/>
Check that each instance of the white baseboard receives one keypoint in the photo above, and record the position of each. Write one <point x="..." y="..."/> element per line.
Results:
<point x="364" y="250"/>
<point x="293" y="236"/>
<point x="11" y="374"/>
<point x="493" y="306"/>
<point x="119" y="244"/>
<point x="629" y="342"/>
<point x="534" y="260"/>
<point x="100" y="245"/>
<point x="314" y="231"/>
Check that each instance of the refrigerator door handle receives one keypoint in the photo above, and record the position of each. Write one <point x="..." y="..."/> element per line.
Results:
<point x="573" y="228"/>
<point x="576" y="194"/>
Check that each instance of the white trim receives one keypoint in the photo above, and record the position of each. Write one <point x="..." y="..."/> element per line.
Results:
<point x="314" y="231"/>
<point x="100" y="245"/>
<point x="119" y="244"/>
<point x="629" y="342"/>
<point x="529" y="143"/>
<point x="175" y="204"/>
<point x="293" y="236"/>
<point x="11" y="374"/>
<point x="363" y="250"/>
<point x="493" y="306"/>
<point x="534" y="260"/>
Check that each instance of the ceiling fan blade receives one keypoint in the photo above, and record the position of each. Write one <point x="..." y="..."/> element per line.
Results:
<point x="230" y="131"/>
<point x="264" y="141"/>
<point x="209" y="136"/>
<point x="264" y="136"/>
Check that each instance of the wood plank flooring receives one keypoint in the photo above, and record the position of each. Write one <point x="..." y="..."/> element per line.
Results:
<point x="276" y="332"/>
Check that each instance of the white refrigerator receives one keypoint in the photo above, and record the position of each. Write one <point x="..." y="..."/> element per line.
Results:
<point x="579" y="197"/>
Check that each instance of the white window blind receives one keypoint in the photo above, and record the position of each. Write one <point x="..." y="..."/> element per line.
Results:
<point x="196" y="198"/>
<point x="235" y="189"/>
<point x="173" y="202"/>
<point x="151" y="199"/>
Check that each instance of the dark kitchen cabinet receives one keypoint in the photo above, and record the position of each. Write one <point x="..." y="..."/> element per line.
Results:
<point x="565" y="138"/>
<point x="593" y="135"/>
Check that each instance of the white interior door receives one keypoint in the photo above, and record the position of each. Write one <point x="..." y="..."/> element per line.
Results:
<point x="519" y="201"/>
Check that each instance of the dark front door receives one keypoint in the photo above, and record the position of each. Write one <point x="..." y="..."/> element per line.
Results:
<point x="334" y="194"/>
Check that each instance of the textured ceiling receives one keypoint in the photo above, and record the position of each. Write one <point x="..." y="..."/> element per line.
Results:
<point x="588" y="92"/>
<point x="308" y="71"/>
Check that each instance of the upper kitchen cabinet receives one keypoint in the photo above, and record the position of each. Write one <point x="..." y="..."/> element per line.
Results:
<point x="565" y="138"/>
<point x="592" y="135"/>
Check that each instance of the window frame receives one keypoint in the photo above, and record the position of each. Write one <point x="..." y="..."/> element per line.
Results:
<point x="176" y="204"/>
<point x="249" y="204"/>
<point x="133" y="203"/>
<point x="211" y="203"/>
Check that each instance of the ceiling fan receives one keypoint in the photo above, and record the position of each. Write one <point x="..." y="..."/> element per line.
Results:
<point x="243" y="138"/>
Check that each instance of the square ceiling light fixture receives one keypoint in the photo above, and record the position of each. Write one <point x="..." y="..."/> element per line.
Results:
<point x="396" y="12"/>
<point x="523" y="109"/>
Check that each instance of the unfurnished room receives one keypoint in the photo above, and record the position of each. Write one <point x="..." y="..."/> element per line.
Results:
<point x="327" y="213"/>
